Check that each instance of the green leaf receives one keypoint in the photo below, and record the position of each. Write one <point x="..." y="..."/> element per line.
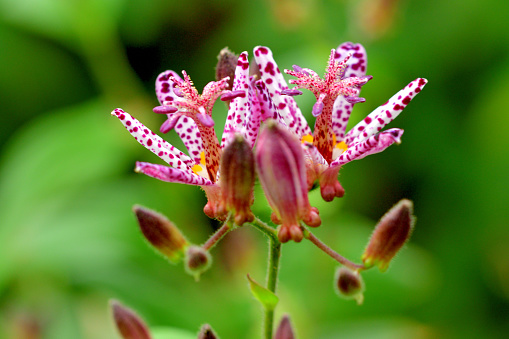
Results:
<point x="268" y="299"/>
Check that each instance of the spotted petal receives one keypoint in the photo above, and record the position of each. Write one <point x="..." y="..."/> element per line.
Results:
<point x="384" y="114"/>
<point x="170" y="174"/>
<point x="273" y="79"/>
<point x="153" y="142"/>
<point x="188" y="131"/>
<point x="374" y="144"/>
<point x="357" y="64"/>
<point x="356" y="67"/>
<point x="165" y="87"/>
<point x="254" y="116"/>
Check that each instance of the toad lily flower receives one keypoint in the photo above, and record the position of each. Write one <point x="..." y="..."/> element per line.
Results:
<point x="190" y="114"/>
<point x="329" y="147"/>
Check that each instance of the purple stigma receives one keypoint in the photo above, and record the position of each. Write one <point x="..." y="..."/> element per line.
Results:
<point x="165" y="109"/>
<point x="317" y="108"/>
<point x="230" y="95"/>
<point x="291" y="92"/>
<point x="205" y="119"/>
<point x="354" y="99"/>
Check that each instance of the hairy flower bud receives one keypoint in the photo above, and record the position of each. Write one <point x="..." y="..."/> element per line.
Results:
<point x="161" y="233"/>
<point x="391" y="233"/>
<point x="284" y="330"/>
<point x="129" y="324"/>
<point x="282" y="172"/>
<point x="226" y="64"/>
<point x="237" y="179"/>
<point x="349" y="284"/>
<point x="206" y="332"/>
<point x="198" y="261"/>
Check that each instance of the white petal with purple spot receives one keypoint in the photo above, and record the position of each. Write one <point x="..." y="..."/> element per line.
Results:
<point x="153" y="142"/>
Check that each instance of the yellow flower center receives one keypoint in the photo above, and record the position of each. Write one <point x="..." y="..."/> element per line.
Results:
<point x="201" y="166"/>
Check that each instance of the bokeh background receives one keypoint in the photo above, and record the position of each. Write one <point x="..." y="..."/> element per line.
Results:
<point x="69" y="241"/>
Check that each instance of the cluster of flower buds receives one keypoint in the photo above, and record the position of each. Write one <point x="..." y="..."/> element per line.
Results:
<point x="131" y="326"/>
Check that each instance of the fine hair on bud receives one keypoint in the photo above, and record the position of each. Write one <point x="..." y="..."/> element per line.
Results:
<point x="129" y="324"/>
<point x="349" y="284"/>
<point x="237" y="179"/>
<point x="206" y="332"/>
<point x="226" y="64"/>
<point x="285" y="330"/>
<point x="161" y="233"/>
<point x="391" y="233"/>
<point x="197" y="261"/>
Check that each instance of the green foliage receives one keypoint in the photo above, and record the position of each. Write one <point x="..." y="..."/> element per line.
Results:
<point x="69" y="242"/>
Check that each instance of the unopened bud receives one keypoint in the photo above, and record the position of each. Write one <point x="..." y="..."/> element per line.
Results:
<point x="237" y="179"/>
<point x="206" y="332"/>
<point x="129" y="324"/>
<point x="349" y="284"/>
<point x="285" y="330"/>
<point x="391" y="233"/>
<point x="226" y="64"/>
<point x="198" y="261"/>
<point x="282" y="172"/>
<point x="161" y="233"/>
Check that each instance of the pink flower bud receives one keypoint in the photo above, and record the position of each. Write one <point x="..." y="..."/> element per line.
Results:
<point x="198" y="261"/>
<point x="129" y="324"/>
<point x="285" y="330"/>
<point x="349" y="284"/>
<point x="391" y="233"/>
<point x="226" y="64"/>
<point x="161" y="233"/>
<point x="206" y="332"/>
<point x="282" y="172"/>
<point x="237" y="179"/>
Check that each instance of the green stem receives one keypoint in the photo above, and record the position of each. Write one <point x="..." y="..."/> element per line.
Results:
<point x="273" y="270"/>
<point x="272" y="274"/>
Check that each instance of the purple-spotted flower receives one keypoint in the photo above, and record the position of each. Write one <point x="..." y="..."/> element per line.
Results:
<point x="329" y="147"/>
<point x="190" y="114"/>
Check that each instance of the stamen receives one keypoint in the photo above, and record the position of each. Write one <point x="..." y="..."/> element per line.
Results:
<point x="354" y="99"/>
<point x="169" y="124"/>
<point x="299" y="69"/>
<point x="165" y="109"/>
<point x="230" y="95"/>
<point x="291" y="92"/>
<point x="205" y="119"/>
<point x="317" y="108"/>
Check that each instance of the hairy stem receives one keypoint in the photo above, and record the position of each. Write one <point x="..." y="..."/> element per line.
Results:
<point x="218" y="235"/>
<point x="336" y="256"/>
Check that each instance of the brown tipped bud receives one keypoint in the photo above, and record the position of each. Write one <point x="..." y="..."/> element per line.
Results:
<point x="349" y="284"/>
<point x="206" y="332"/>
<point x="129" y="324"/>
<point x="391" y="233"/>
<point x="285" y="330"/>
<point x="226" y="64"/>
<point x="237" y="179"/>
<point x="161" y="233"/>
<point x="198" y="261"/>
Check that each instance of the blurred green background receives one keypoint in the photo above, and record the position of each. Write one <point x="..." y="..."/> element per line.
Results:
<point x="69" y="241"/>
